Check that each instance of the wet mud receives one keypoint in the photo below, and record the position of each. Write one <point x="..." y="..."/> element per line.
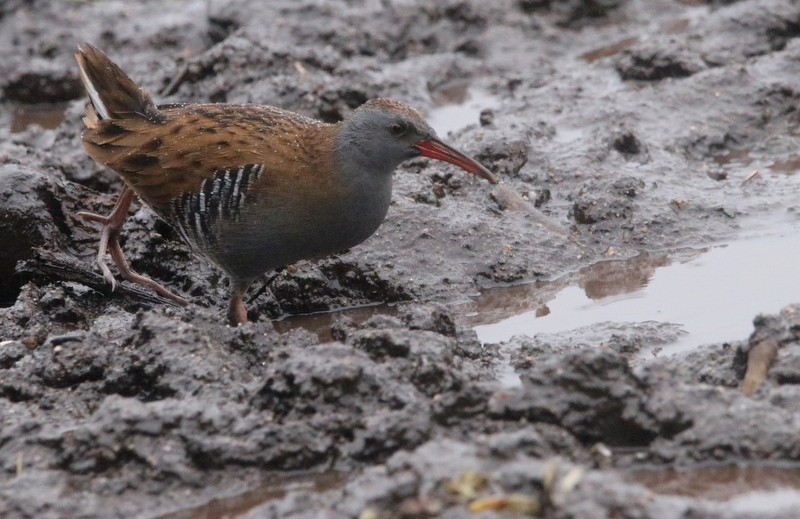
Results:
<point x="364" y="386"/>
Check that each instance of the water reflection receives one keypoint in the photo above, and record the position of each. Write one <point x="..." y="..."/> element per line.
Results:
<point x="610" y="278"/>
<point x="272" y="489"/>
<point x="320" y="323"/>
<point x="745" y="491"/>
<point x="786" y="166"/>
<point x="46" y="115"/>
<point x="602" y="280"/>
<point x="713" y="293"/>
<point x="716" y="483"/>
<point x="609" y="50"/>
<point x="460" y="105"/>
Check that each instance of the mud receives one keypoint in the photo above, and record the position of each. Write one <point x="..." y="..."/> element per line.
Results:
<point x="645" y="128"/>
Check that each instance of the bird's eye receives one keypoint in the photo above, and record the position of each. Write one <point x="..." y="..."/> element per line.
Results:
<point x="397" y="129"/>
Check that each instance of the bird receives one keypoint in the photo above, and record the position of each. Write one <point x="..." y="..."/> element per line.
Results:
<point x="249" y="187"/>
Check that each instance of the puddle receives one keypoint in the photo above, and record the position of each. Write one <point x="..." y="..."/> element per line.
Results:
<point x="602" y="281"/>
<point x="788" y="166"/>
<point x="320" y="323"/>
<point x="742" y="158"/>
<point x="755" y="490"/>
<point x="567" y="135"/>
<point x="460" y="105"/>
<point x="609" y="50"/>
<point x="46" y="115"/>
<point x="234" y="506"/>
<point x="675" y="27"/>
<point x="737" y="158"/>
<point x="713" y="294"/>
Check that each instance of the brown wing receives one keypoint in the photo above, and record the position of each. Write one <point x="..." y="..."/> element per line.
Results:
<point x="162" y="159"/>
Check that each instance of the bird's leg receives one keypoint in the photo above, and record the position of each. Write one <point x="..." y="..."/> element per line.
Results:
<point x="128" y="273"/>
<point x="237" y="314"/>
<point x="109" y="242"/>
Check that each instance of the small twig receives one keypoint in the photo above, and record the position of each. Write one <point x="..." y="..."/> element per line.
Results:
<point x="753" y="174"/>
<point x="48" y="266"/>
<point x="507" y="198"/>
<point x="265" y="285"/>
<point x="176" y="82"/>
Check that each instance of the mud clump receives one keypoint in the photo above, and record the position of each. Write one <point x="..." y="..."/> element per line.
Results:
<point x="31" y="216"/>
<point x="655" y="65"/>
<point x="602" y="201"/>
<point x="42" y="82"/>
<point x="572" y="13"/>
<point x="599" y="399"/>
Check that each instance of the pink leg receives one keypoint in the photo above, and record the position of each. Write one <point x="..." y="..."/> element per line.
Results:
<point x="237" y="314"/>
<point x="109" y="242"/>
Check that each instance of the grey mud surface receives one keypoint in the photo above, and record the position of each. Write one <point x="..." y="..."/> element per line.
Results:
<point x="617" y="117"/>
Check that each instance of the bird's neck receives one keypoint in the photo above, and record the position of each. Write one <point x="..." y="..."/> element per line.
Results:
<point x="363" y="184"/>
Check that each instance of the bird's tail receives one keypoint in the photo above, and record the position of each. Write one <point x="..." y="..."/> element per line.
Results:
<point x="113" y="94"/>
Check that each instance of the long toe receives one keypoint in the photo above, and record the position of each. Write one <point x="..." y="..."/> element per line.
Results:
<point x="109" y="277"/>
<point x="101" y="258"/>
<point x="131" y="275"/>
<point x="93" y="217"/>
<point x="160" y="290"/>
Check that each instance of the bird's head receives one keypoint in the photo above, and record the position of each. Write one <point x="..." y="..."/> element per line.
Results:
<point x="382" y="133"/>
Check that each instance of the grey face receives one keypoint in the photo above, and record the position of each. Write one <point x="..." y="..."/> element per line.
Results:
<point x="383" y="133"/>
<point x="379" y="140"/>
<point x="406" y="134"/>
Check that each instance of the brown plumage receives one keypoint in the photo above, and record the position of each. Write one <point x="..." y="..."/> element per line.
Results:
<point x="250" y="187"/>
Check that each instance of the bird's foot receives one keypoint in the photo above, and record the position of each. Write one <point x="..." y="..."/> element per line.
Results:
<point x="134" y="277"/>
<point x="109" y="243"/>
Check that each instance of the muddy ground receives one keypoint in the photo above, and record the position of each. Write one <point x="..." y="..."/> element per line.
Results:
<point x="618" y="118"/>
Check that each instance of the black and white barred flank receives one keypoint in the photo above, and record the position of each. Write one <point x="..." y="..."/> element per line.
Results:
<point x="220" y="197"/>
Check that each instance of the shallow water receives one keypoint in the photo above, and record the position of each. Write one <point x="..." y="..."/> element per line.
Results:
<point x="755" y="490"/>
<point x="712" y="293"/>
<point x="46" y="115"/>
<point x="273" y="489"/>
<point x="459" y="107"/>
